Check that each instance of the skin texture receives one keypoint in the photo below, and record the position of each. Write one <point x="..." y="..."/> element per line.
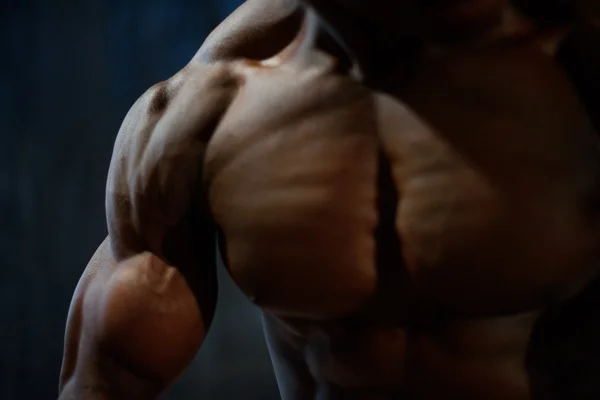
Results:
<point x="411" y="231"/>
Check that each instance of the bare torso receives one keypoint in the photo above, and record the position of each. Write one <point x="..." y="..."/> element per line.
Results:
<point x="396" y="258"/>
<point x="433" y="238"/>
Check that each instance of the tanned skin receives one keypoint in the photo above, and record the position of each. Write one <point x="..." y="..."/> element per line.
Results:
<point x="407" y="192"/>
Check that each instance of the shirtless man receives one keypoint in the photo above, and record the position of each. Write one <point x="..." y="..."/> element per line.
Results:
<point x="409" y="192"/>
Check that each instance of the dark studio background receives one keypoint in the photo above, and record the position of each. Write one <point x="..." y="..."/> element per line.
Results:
<point x="70" y="70"/>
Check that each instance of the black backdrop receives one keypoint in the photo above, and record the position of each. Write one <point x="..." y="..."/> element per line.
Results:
<point x="69" y="71"/>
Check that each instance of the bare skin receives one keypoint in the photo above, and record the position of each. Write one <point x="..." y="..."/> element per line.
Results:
<point x="405" y="230"/>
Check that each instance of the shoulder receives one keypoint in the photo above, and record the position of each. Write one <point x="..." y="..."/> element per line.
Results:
<point x="168" y="112"/>
<point x="207" y="83"/>
<point x="152" y="179"/>
<point x="257" y="29"/>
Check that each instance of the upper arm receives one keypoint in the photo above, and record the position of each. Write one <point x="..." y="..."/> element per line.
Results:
<point x="144" y="303"/>
<point x="155" y="198"/>
<point x="132" y="328"/>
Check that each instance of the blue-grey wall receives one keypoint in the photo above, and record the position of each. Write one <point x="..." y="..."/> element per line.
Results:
<point x="69" y="71"/>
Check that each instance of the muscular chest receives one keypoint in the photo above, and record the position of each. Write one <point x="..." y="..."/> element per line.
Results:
<point x="499" y="191"/>
<point x="326" y="206"/>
